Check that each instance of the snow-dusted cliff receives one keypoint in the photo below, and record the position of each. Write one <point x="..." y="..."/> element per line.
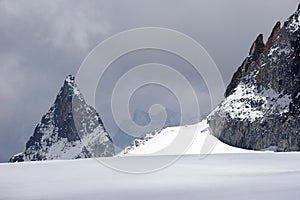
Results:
<point x="262" y="103"/>
<point x="70" y="129"/>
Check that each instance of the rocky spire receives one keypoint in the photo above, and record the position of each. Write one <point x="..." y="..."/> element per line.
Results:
<point x="70" y="129"/>
<point x="252" y="60"/>
<point x="256" y="49"/>
<point x="262" y="105"/>
<point x="273" y="36"/>
<point x="257" y="46"/>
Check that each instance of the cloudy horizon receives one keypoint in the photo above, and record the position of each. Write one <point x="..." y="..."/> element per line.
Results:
<point x="41" y="43"/>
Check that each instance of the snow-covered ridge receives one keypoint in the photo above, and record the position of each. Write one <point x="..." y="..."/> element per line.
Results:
<point x="202" y="142"/>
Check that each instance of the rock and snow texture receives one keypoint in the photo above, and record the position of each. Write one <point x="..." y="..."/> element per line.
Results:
<point x="70" y="129"/>
<point x="261" y="110"/>
<point x="169" y="141"/>
<point x="262" y="104"/>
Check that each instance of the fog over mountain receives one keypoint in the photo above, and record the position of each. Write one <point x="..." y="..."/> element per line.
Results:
<point x="42" y="42"/>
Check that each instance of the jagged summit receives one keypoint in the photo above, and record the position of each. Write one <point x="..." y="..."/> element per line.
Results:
<point x="70" y="129"/>
<point x="258" y="47"/>
<point x="272" y="36"/>
<point x="70" y="79"/>
<point x="262" y="104"/>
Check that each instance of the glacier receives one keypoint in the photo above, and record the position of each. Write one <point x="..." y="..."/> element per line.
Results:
<point x="218" y="176"/>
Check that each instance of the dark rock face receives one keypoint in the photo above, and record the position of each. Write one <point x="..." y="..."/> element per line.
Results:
<point x="256" y="49"/>
<point x="70" y="129"/>
<point x="262" y="104"/>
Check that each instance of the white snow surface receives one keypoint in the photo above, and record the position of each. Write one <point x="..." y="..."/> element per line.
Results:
<point x="219" y="176"/>
<point x="166" y="142"/>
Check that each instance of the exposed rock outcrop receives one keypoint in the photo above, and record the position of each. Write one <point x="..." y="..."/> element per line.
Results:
<point x="256" y="49"/>
<point x="70" y="129"/>
<point x="273" y="36"/>
<point x="262" y="104"/>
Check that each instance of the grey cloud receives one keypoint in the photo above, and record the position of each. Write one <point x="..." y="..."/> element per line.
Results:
<point x="43" y="41"/>
<point x="62" y="24"/>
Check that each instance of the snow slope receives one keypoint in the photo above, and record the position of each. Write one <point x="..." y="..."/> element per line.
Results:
<point x="191" y="139"/>
<point x="220" y="176"/>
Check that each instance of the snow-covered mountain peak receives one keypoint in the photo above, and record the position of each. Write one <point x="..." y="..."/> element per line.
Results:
<point x="261" y="108"/>
<point x="262" y="104"/>
<point x="70" y="129"/>
<point x="70" y="79"/>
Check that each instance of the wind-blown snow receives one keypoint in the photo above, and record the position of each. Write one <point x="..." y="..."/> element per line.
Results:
<point x="202" y="142"/>
<point x="222" y="176"/>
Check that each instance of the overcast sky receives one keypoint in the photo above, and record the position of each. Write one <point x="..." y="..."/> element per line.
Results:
<point x="43" y="41"/>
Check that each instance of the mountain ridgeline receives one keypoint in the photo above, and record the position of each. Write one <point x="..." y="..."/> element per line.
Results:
<point x="261" y="109"/>
<point x="70" y="129"/>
